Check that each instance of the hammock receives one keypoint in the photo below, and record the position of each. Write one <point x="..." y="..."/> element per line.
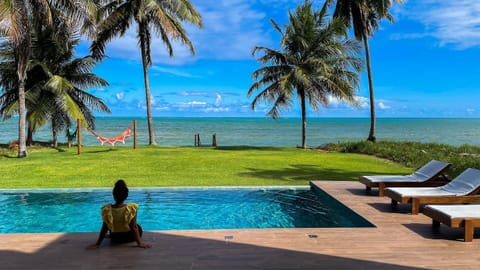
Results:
<point x="117" y="139"/>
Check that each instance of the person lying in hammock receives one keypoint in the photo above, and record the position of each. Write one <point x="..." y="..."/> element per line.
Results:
<point x="120" y="219"/>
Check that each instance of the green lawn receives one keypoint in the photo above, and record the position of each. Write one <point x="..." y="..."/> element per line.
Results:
<point x="100" y="166"/>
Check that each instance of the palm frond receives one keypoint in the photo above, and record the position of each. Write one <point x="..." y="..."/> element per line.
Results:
<point x="115" y="24"/>
<point x="167" y="25"/>
<point x="89" y="101"/>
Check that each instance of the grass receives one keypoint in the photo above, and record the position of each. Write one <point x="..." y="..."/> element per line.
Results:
<point x="100" y="166"/>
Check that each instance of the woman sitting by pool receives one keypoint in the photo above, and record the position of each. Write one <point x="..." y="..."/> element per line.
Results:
<point x="120" y="219"/>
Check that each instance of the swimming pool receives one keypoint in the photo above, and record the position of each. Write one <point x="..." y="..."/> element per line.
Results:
<point x="40" y="211"/>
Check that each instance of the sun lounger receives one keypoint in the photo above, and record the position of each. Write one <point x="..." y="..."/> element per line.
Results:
<point x="455" y="216"/>
<point x="430" y="175"/>
<point x="462" y="189"/>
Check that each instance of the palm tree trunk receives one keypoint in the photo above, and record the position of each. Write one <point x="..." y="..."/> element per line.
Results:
<point x="22" y="47"/>
<point x="371" y="135"/>
<point x="54" y="134"/>
<point x="304" y="121"/>
<point x="22" y="144"/>
<point x="30" y="135"/>
<point x="151" y="133"/>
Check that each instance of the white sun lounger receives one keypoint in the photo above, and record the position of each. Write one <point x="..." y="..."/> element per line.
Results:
<point x="462" y="189"/>
<point x="455" y="216"/>
<point x="429" y="175"/>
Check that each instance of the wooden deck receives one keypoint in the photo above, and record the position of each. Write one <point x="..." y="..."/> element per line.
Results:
<point x="399" y="241"/>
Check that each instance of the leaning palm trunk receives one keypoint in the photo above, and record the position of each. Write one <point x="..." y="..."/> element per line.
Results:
<point x="371" y="135"/>
<point x="151" y="132"/>
<point x="30" y="135"/>
<point x="54" y="134"/>
<point x="304" y="122"/>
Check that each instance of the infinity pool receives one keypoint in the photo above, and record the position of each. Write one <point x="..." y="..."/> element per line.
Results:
<point x="78" y="210"/>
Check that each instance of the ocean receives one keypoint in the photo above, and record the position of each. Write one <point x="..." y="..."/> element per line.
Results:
<point x="180" y="131"/>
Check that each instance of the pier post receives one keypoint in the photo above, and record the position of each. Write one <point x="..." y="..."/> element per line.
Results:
<point x="134" y="134"/>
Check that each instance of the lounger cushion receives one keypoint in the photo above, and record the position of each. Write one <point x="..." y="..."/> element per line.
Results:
<point x="465" y="183"/>
<point x="395" y="178"/>
<point x="426" y="172"/>
<point x="458" y="211"/>
<point x="421" y="192"/>
<point x="432" y="168"/>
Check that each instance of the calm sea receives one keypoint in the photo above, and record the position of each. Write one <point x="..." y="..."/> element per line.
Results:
<point x="268" y="132"/>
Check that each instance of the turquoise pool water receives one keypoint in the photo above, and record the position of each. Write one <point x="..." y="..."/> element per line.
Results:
<point x="176" y="209"/>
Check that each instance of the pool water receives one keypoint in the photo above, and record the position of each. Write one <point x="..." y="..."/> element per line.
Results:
<point x="176" y="209"/>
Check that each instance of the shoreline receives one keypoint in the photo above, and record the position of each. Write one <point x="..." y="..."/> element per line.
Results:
<point x="286" y="132"/>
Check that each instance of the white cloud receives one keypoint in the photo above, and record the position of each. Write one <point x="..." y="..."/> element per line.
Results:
<point x="218" y="100"/>
<point x="362" y="102"/>
<point x="216" y="110"/>
<point x="120" y="95"/>
<point x="196" y="103"/>
<point x="99" y="89"/>
<point x="382" y="106"/>
<point x="333" y="101"/>
<point x="163" y="109"/>
<point x="195" y="93"/>
<point x="174" y="71"/>
<point x="400" y="36"/>
<point x="454" y="23"/>
<point x="231" y="29"/>
<point x="140" y="104"/>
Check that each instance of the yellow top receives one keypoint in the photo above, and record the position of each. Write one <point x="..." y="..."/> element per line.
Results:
<point x="118" y="219"/>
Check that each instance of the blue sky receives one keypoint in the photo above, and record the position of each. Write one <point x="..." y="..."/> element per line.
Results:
<point x="426" y="64"/>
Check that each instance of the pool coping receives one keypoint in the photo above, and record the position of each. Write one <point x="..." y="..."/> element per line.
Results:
<point x="170" y="188"/>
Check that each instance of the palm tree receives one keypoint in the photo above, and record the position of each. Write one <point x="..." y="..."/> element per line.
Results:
<point x="16" y="20"/>
<point x="14" y="24"/>
<point x="315" y="61"/>
<point x="364" y="16"/>
<point x="55" y="81"/>
<point x="161" y="17"/>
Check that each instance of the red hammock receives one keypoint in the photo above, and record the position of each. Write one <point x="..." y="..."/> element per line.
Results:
<point x="117" y="139"/>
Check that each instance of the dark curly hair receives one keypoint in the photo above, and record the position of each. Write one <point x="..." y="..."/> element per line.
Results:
<point x="120" y="191"/>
